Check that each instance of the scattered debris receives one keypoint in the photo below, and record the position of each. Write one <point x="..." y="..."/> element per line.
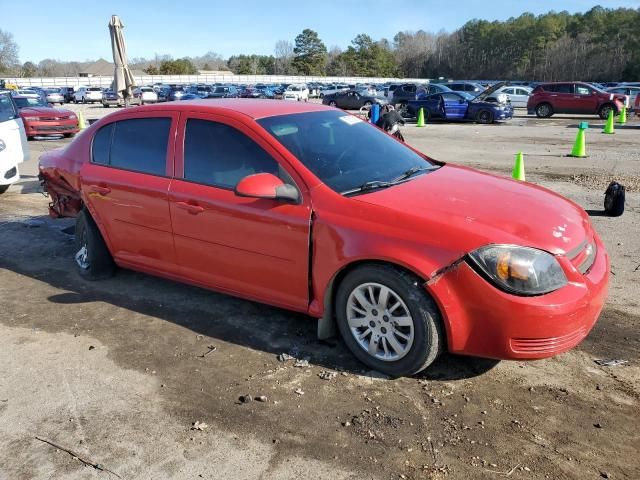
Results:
<point x="327" y="375"/>
<point x="212" y="348"/>
<point x="261" y="398"/>
<point x="198" y="425"/>
<point x="283" y="357"/>
<point x="298" y="391"/>
<point x="301" y="363"/>
<point x="508" y="473"/>
<point x="97" y="466"/>
<point x="597" y="425"/>
<point x="610" y="362"/>
<point x="91" y="347"/>
<point x="245" y="398"/>
<point x="346" y="424"/>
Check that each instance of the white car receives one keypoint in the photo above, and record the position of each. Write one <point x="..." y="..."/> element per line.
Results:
<point x="296" y="92"/>
<point x="331" y="89"/>
<point x="13" y="142"/>
<point x="26" y="93"/>
<point x="631" y="91"/>
<point x="88" y="95"/>
<point x="142" y="95"/>
<point x="517" y="94"/>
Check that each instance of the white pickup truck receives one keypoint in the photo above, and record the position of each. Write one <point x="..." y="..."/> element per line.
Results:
<point x="13" y="142"/>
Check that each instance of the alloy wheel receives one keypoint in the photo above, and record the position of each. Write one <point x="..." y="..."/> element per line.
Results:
<point x="380" y="321"/>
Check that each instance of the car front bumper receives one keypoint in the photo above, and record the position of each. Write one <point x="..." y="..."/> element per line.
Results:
<point x="34" y="128"/>
<point x="483" y="321"/>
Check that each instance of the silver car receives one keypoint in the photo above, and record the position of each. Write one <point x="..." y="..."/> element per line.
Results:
<point x="54" y="95"/>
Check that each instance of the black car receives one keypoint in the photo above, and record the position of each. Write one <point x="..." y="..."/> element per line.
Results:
<point x="224" y="92"/>
<point x="351" y="100"/>
<point x="67" y="93"/>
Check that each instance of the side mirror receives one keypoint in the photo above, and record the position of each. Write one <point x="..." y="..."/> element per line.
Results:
<point x="266" y="185"/>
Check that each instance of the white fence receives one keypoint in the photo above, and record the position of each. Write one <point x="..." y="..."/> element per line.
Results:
<point x="151" y="79"/>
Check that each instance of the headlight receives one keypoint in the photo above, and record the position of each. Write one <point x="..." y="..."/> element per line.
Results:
<point x="72" y="117"/>
<point x="2" y="145"/>
<point x="519" y="270"/>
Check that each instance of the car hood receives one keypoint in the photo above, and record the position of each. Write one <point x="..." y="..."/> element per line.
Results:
<point x="487" y="93"/>
<point x="44" y="111"/>
<point x="467" y="209"/>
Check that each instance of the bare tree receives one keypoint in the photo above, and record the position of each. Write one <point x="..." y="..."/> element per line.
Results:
<point x="8" y="52"/>
<point x="284" y="55"/>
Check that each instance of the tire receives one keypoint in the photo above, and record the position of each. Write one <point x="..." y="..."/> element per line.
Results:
<point x="69" y="135"/>
<point x="603" y="113"/>
<point x="423" y="336"/>
<point x="485" y="117"/>
<point x="332" y="103"/>
<point x="84" y="100"/>
<point x="105" y="105"/>
<point x="4" y="188"/>
<point x="321" y="95"/>
<point x="544" y="110"/>
<point x="95" y="262"/>
<point x="30" y="138"/>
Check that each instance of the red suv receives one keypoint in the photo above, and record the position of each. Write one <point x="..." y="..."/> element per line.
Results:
<point x="309" y="208"/>
<point x="573" y="97"/>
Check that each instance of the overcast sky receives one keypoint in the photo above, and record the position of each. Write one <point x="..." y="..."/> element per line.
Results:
<point x="78" y="31"/>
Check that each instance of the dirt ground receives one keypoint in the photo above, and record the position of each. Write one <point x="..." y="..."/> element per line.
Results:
<point x="118" y="371"/>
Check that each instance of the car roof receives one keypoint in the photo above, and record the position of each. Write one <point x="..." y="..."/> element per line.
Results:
<point x="254" y="108"/>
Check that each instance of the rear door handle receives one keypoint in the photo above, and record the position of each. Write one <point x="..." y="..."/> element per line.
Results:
<point x="99" y="189"/>
<point x="195" y="209"/>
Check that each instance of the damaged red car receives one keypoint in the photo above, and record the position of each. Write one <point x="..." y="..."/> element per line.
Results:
<point x="308" y="208"/>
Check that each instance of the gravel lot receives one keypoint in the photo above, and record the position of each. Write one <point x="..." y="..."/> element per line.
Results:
<point x="116" y="371"/>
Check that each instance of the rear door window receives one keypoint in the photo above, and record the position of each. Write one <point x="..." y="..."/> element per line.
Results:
<point x="219" y="155"/>
<point x="138" y="144"/>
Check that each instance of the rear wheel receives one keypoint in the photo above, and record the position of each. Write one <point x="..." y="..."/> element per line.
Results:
<point x="544" y="110"/>
<point x="388" y="321"/>
<point x="4" y="188"/>
<point x="93" y="260"/>
<point x="484" y="116"/>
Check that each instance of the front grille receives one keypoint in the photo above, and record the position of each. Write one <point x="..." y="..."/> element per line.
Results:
<point x="52" y="119"/>
<point x="583" y="256"/>
<point x="549" y="344"/>
<point x="53" y="128"/>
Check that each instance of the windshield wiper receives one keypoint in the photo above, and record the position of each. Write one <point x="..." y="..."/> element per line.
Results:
<point x="410" y="173"/>
<point x="371" y="185"/>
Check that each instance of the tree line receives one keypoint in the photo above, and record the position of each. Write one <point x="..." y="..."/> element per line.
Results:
<point x="598" y="45"/>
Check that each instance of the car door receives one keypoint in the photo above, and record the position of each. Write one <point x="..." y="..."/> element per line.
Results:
<point x="13" y="139"/>
<point x="256" y="248"/>
<point x="521" y="97"/>
<point x="126" y="188"/>
<point x="455" y="107"/>
<point x="585" y="99"/>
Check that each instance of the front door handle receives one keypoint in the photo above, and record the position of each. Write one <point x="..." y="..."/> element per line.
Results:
<point x="189" y="207"/>
<point x="99" y="189"/>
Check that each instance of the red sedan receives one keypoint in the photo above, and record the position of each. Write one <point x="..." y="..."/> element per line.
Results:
<point x="308" y="208"/>
<point x="42" y="119"/>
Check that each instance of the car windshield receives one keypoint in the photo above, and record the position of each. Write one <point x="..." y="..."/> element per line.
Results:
<point x="294" y="88"/>
<point x="52" y="90"/>
<point x="467" y="95"/>
<point x="343" y="151"/>
<point x="7" y="110"/>
<point x="94" y="89"/>
<point x="27" y="102"/>
<point x="221" y="89"/>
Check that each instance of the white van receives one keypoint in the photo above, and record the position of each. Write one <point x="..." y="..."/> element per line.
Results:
<point x="13" y="142"/>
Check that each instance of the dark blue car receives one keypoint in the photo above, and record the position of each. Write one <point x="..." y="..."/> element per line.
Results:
<point x="461" y="106"/>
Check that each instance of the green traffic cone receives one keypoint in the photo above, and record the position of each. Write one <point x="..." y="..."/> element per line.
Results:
<point x="579" y="146"/>
<point x="420" y="117"/>
<point x="518" y="167"/>
<point x="608" y="128"/>
<point x="622" y="116"/>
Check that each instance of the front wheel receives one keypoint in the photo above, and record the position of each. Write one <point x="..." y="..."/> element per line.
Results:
<point x="604" y="111"/>
<point x="544" y="110"/>
<point x="92" y="257"/>
<point x="388" y="321"/>
<point x="485" y="117"/>
<point x="4" y="188"/>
